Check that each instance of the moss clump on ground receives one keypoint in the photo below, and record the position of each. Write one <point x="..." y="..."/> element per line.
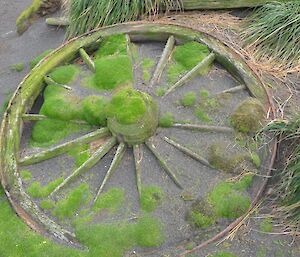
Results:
<point x="160" y="91"/>
<point x="127" y="106"/>
<point x="113" y="45"/>
<point x="50" y="131"/>
<point x="220" y="158"/>
<point x="202" y="115"/>
<point x="175" y="70"/>
<point x="151" y="197"/>
<point x="36" y="190"/>
<point x="112" y="72"/>
<point x="222" y="254"/>
<point x="266" y="225"/>
<point x="67" y="207"/>
<point x="64" y="74"/>
<point x="17" y="67"/>
<point x="200" y="220"/>
<point x="80" y="153"/>
<point x="147" y="65"/>
<point x="47" y="204"/>
<point x="166" y="120"/>
<point x="94" y="110"/>
<point x="37" y="59"/>
<point x="112" y="200"/>
<point x="248" y="116"/>
<point x="188" y="99"/>
<point x="25" y="175"/>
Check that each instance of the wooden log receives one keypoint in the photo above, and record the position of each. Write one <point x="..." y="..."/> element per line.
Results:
<point x="163" y="61"/>
<point x="206" y="128"/>
<point x="38" y="117"/>
<point x="87" y="59"/>
<point x="62" y="148"/>
<point x="60" y="21"/>
<point x="51" y="82"/>
<point x="103" y="150"/>
<point x="163" y="163"/>
<point x="233" y="89"/>
<point x="192" y="73"/>
<point x="115" y="163"/>
<point x="138" y="156"/>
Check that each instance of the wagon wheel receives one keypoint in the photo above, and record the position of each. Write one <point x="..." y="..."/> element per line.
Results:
<point x="161" y="113"/>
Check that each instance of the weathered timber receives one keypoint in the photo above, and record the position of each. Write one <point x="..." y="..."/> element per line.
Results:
<point x="49" y="81"/>
<point x="60" y="21"/>
<point x="138" y="156"/>
<point x="87" y="59"/>
<point x="207" y="128"/>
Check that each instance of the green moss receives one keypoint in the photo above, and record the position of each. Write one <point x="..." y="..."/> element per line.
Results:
<point x="266" y="225"/>
<point x="94" y="110"/>
<point x="47" y="204"/>
<point x="147" y="65"/>
<point x="64" y="74"/>
<point x="37" y="59"/>
<point x="151" y="197"/>
<point x="207" y="102"/>
<point x="112" y="72"/>
<point x="188" y="99"/>
<point x="221" y="159"/>
<point x="166" y="120"/>
<point x="18" y="240"/>
<point x="112" y="200"/>
<point x="200" y="220"/>
<point x="80" y="153"/>
<point x="25" y="175"/>
<point x="175" y="70"/>
<point x="113" y="45"/>
<point x="67" y="207"/>
<point x="50" y="131"/>
<point x="160" y="91"/>
<point x="248" y="116"/>
<point x="202" y="115"/>
<point x="36" y="190"/>
<point x="223" y="254"/>
<point x="127" y="106"/>
<point x="255" y="159"/>
<point x="17" y="67"/>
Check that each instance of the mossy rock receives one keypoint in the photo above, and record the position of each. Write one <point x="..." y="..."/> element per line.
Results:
<point x="248" y="116"/>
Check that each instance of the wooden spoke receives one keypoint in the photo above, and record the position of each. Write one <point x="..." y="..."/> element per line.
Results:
<point x="87" y="59"/>
<point x="37" y="117"/>
<point x="115" y="163"/>
<point x="103" y="150"/>
<point x="206" y="128"/>
<point x="188" y="152"/>
<point x="62" y="148"/>
<point x="59" y="21"/>
<point x="50" y="81"/>
<point x="163" y="61"/>
<point x="163" y="163"/>
<point x="138" y="156"/>
<point x="233" y="89"/>
<point x="192" y="73"/>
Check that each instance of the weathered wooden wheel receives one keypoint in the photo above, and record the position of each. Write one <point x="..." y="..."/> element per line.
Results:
<point x="93" y="131"/>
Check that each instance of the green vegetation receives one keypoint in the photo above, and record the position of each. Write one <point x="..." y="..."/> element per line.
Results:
<point x="188" y="99"/>
<point x="255" y="159"/>
<point x="266" y="225"/>
<point x="272" y="31"/>
<point x="36" y="190"/>
<point x="80" y="153"/>
<point x="73" y="201"/>
<point x="160" y="91"/>
<point x="112" y="200"/>
<point x="7" y="97"/>
<point x="64" y="74"/>
<point x="202" y="115"/>
<point x="151" y="197"/>
<point x="200" y="220"/>
<point x="166" y="120"/>
<point x="17" y="67"/>
<point x="174" y="71"/>
<point x="147" y="65"/>
<point x="94" y="110"/>
<point x="26" y="175"/>
<point x="248" y="116"/>
<point x="220" y="158"/>
<point x="37" y="59"/>
<point x="223" y="254"/>
<point x="127" y="106"/>
<point x="47" y="204"/>
<point x="113" y="45"/>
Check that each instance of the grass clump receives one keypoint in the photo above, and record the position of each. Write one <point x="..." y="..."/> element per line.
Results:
<point x="222" y="254"/>
<point x="266" y="225"/>
<point x="113" y="45"/>
<point x="188" y="99"/>
<point x="72" y="202"/>
<point x="47" y="204"/>
<point x="202" y="115"/>
<point x="37" y="59"/>
<point x="25" y="175"/>
<point x="94" y="110"/>
<point x="248" y="116"/>
<point x="112" y="72"/>
<point x="166" y="120"/>
<point x="18" y="67"/>
<point x="36" y="190"/>
<point x="127" y="106"/>
<point x="64" y="74"/>
<point x="112" y="200"/>
<point x="200" y="220"/>
<point x="151" y="197"/>
<point x="147" y="65"/>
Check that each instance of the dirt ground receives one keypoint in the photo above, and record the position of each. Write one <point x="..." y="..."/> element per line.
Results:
<point x="249" y="241"/>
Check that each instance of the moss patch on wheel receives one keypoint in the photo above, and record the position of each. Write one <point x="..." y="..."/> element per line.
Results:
<point x="94" y="110"/>
<point x="112" y="200"/>
<point x="36" y="190"/>
<point x="113" y="45"/>
<point x="64" y="74"/>
<point x="37" y="59"/>
<point x="166" y="120"/>
<point x="248" y="116"/>
<point x="151" y="197"/>
<point x="80" y="154"/>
